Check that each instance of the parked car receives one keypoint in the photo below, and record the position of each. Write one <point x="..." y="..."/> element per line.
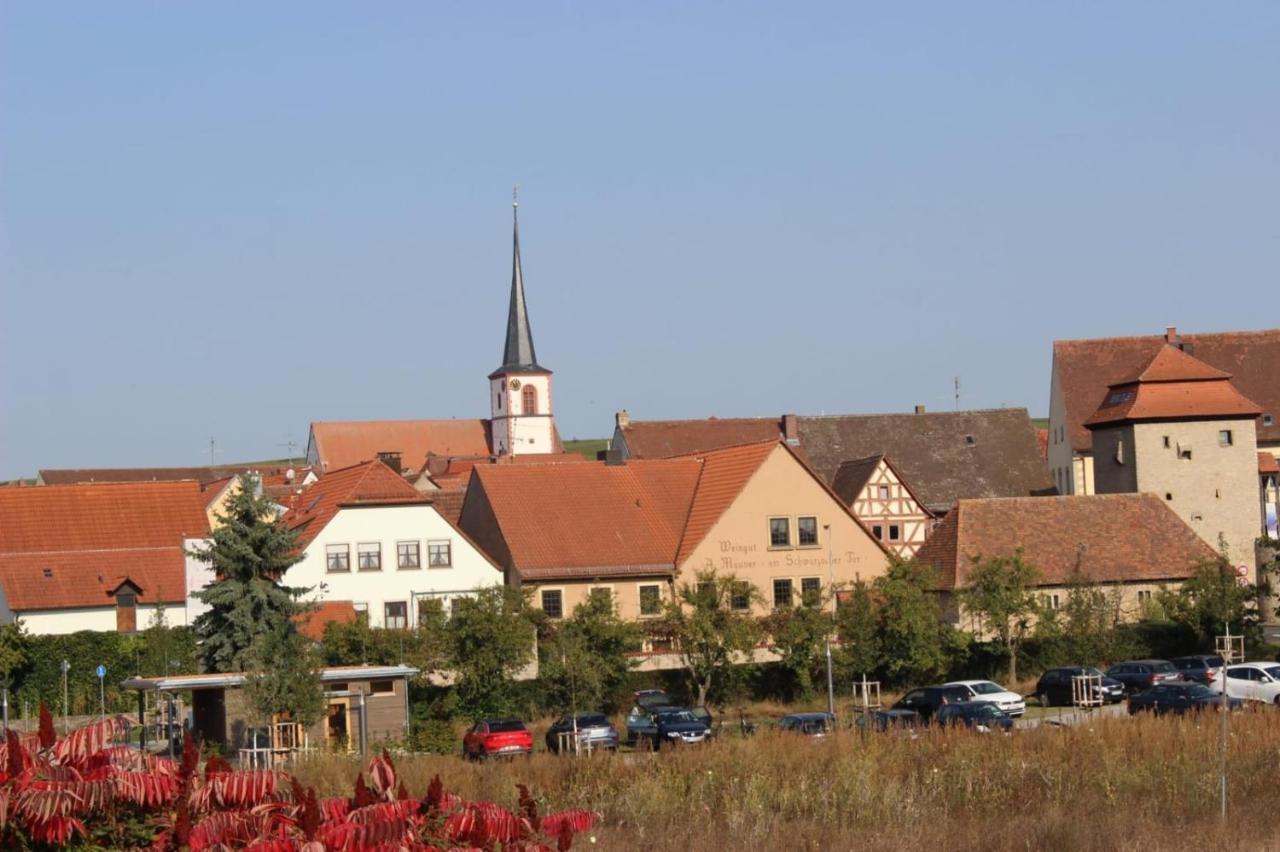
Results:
<point x="1054" y="687"/>
<point x="1201" y="668"/>
<point x="926" y="700"/>
<point x="981" y="716"/>
<point x="651" y="698"/>
<point x="886" y="720"/>
<point x="993" y="693"/>
<point x="808" y="724"/>
<point x="594" y="730"/>
<point x="1178" y="698"/>
<point x="1137" y="675"/>
<point x="664" y="725"/>
<point x="1251" y="681"/>
<point x="497" y="737"/>
<point x="703" y="715"/>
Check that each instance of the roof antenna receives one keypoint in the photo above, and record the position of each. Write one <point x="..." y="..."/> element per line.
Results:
<point x="515" y="195"/>
<point x="213" y="451"/>
<point x="957" y="384"/>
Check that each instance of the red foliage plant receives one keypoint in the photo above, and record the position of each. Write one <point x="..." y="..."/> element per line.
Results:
<point x="53" y="791"/>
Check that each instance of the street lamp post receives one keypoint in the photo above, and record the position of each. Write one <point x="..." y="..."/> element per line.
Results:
<point x="831" y="691"/>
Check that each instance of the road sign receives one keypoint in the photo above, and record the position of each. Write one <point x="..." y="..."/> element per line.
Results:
<point x="101" y="672"/>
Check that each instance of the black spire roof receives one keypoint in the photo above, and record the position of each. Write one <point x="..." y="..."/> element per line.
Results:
<point x="518" y="355"/>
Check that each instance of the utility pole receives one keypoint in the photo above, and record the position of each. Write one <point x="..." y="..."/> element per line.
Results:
<point x="831" y="690"/>
<point x="66" y="704"/>
<point x="1226" y="712"/>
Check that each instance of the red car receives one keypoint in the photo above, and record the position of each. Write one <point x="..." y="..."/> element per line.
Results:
<point x="497" y="737"/>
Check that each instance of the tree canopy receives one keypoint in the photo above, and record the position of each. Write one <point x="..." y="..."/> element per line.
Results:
<point x="1000" y="593"/>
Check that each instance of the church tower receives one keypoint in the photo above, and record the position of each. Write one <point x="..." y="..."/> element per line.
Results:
<point x="520" y="390"/>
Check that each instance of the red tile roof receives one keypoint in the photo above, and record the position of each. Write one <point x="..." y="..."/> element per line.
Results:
<point x="1115" y="537"/>
<point x="1268" y="463"/>
<point x="1086" y="368"/>
<point x="590" y="519"/>
<point x="64" y="546"/>
<point x="724" y="474"/>
<point x="367" y="484"/>
<point x="1173" y="386"/>
<point x="311" y="624"/>
<point x="342" y="443"/>
<point x="204" y="475"/>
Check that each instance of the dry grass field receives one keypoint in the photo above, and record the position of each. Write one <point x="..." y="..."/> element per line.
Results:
<point x="1138" y="784"/>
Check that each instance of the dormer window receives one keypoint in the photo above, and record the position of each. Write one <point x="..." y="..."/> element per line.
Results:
<point x="126" y="610"/>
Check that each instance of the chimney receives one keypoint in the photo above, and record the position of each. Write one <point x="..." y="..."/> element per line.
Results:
<point x="919" y="409"/>
<point x="614" y="458"/>
<point x="791" y="429"/>
<point x="622" y="419"/>
<point x="391" y="460"/>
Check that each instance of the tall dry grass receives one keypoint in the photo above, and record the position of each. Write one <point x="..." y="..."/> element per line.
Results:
<point x="1118" y="783"/>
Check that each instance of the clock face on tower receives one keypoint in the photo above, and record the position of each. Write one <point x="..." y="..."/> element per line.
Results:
<point x="515" y="384"/>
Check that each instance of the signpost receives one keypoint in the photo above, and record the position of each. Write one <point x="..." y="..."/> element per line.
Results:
<point x="101" y="672"/>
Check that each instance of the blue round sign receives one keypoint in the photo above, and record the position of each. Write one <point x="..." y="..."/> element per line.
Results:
<point x="101" y="671"/>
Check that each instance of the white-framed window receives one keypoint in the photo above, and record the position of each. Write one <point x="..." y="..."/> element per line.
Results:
<point x="1050" y="600"/>
<point x="895" y="532"/>
<point x="440" y="554"/>
<point x="779" y="532"/>
<point x="1224" y="438"/>
<point x="878" y="532"/>
<point x="882" y="491"/>
<point x="408" y="555"/>
<point x="395" y="615"/>
<point x="605" y="592"/>
<point x="782" y="592"/>
<point x="807" y="531"/>
<point x="740" y="600"/>
<point x="362" y="612"/>
<point x="650" y="599"/>
<point x="1144" y="596"/>
<point x="369" y="556"/>
<point x="552" y="602"/>
<point x="337" y="558"/>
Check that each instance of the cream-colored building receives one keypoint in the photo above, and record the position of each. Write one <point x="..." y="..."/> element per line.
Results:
<point x="1132" y="545"/>
<point x="1083" y="370"/>
<point x="637" y="529"/>
<point x="1180" y="429"/>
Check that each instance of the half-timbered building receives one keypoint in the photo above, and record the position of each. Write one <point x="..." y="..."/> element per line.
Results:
<point x="877" y="494"/>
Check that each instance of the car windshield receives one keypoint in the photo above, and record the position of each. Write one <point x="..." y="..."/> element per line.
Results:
<point x="1187" y="665"/>
<point x="1090" y="670"/>
<point x="1274" y="671"/>
<point x="1162" y="667"/>
<point x="1198" y="690"/>
<point x="1213" y="661"/>
<point x="677" y="716"/>
<point x="987" y="688"/>
<point x="506" y="726"/>
<point x="590" y="720"/>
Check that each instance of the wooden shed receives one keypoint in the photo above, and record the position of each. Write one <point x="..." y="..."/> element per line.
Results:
<point x="364" y="705"/>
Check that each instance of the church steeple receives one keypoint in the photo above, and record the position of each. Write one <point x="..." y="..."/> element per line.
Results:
<point x="518" y="354"/>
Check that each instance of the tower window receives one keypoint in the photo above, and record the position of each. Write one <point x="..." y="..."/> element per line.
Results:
<point x="1267" y="420"/>
<point x="1166" y="442"/>
<point x="529" y="399"/>
<point x="1224" y="438"/>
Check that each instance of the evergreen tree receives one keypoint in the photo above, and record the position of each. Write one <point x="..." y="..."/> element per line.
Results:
<point x="250" y="553"/>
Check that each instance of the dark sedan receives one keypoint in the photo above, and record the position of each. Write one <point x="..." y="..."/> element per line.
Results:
<point x="808" y="724"/>
<point x="926" y="700"/>
<point x="981" y="716"/>
<point x="1137" y="675"/>
<point x="1178" y="698"/>
<point x="1055" y="686"/>
<point x="590" y="730"/>
<point x="886" y="720"/>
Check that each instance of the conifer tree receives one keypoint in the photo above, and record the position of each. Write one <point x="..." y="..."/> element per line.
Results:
<point x="250" y="553"/>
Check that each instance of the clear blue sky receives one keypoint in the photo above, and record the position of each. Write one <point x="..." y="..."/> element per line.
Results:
<point x="232" y="219"/>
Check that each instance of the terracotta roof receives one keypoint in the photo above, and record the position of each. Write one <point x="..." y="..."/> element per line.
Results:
<point x="591" y="519"/>
<point x="448" y="501"/>
<point x="204" y="475"/>
<point x="661" y="439"/>
<point x="64" y="546"/>
<point x="311" y="624"/>
<point x="1115" y="537"/>
<point x="724" y="474"/>
<point x="342" y="443"/>
<point x="367" y="484"/>
<point x="1086" y="368"/>
<point x="1173" y="386"/>
<point x="944" y="456"/>
<point x="1268" y="463"/>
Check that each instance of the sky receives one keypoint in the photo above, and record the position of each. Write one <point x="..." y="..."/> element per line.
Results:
<point x="229" y="220"/>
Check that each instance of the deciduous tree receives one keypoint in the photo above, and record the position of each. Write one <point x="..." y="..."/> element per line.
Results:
<point x="584" y="663"/>
<point x="711" y="632"/>
<point x="913" y="640"/>
<point x="798" y="635"/>
<point x="858" y="631"/>
<point x="490" y="640"/>
<point x="1000" y="593"/>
